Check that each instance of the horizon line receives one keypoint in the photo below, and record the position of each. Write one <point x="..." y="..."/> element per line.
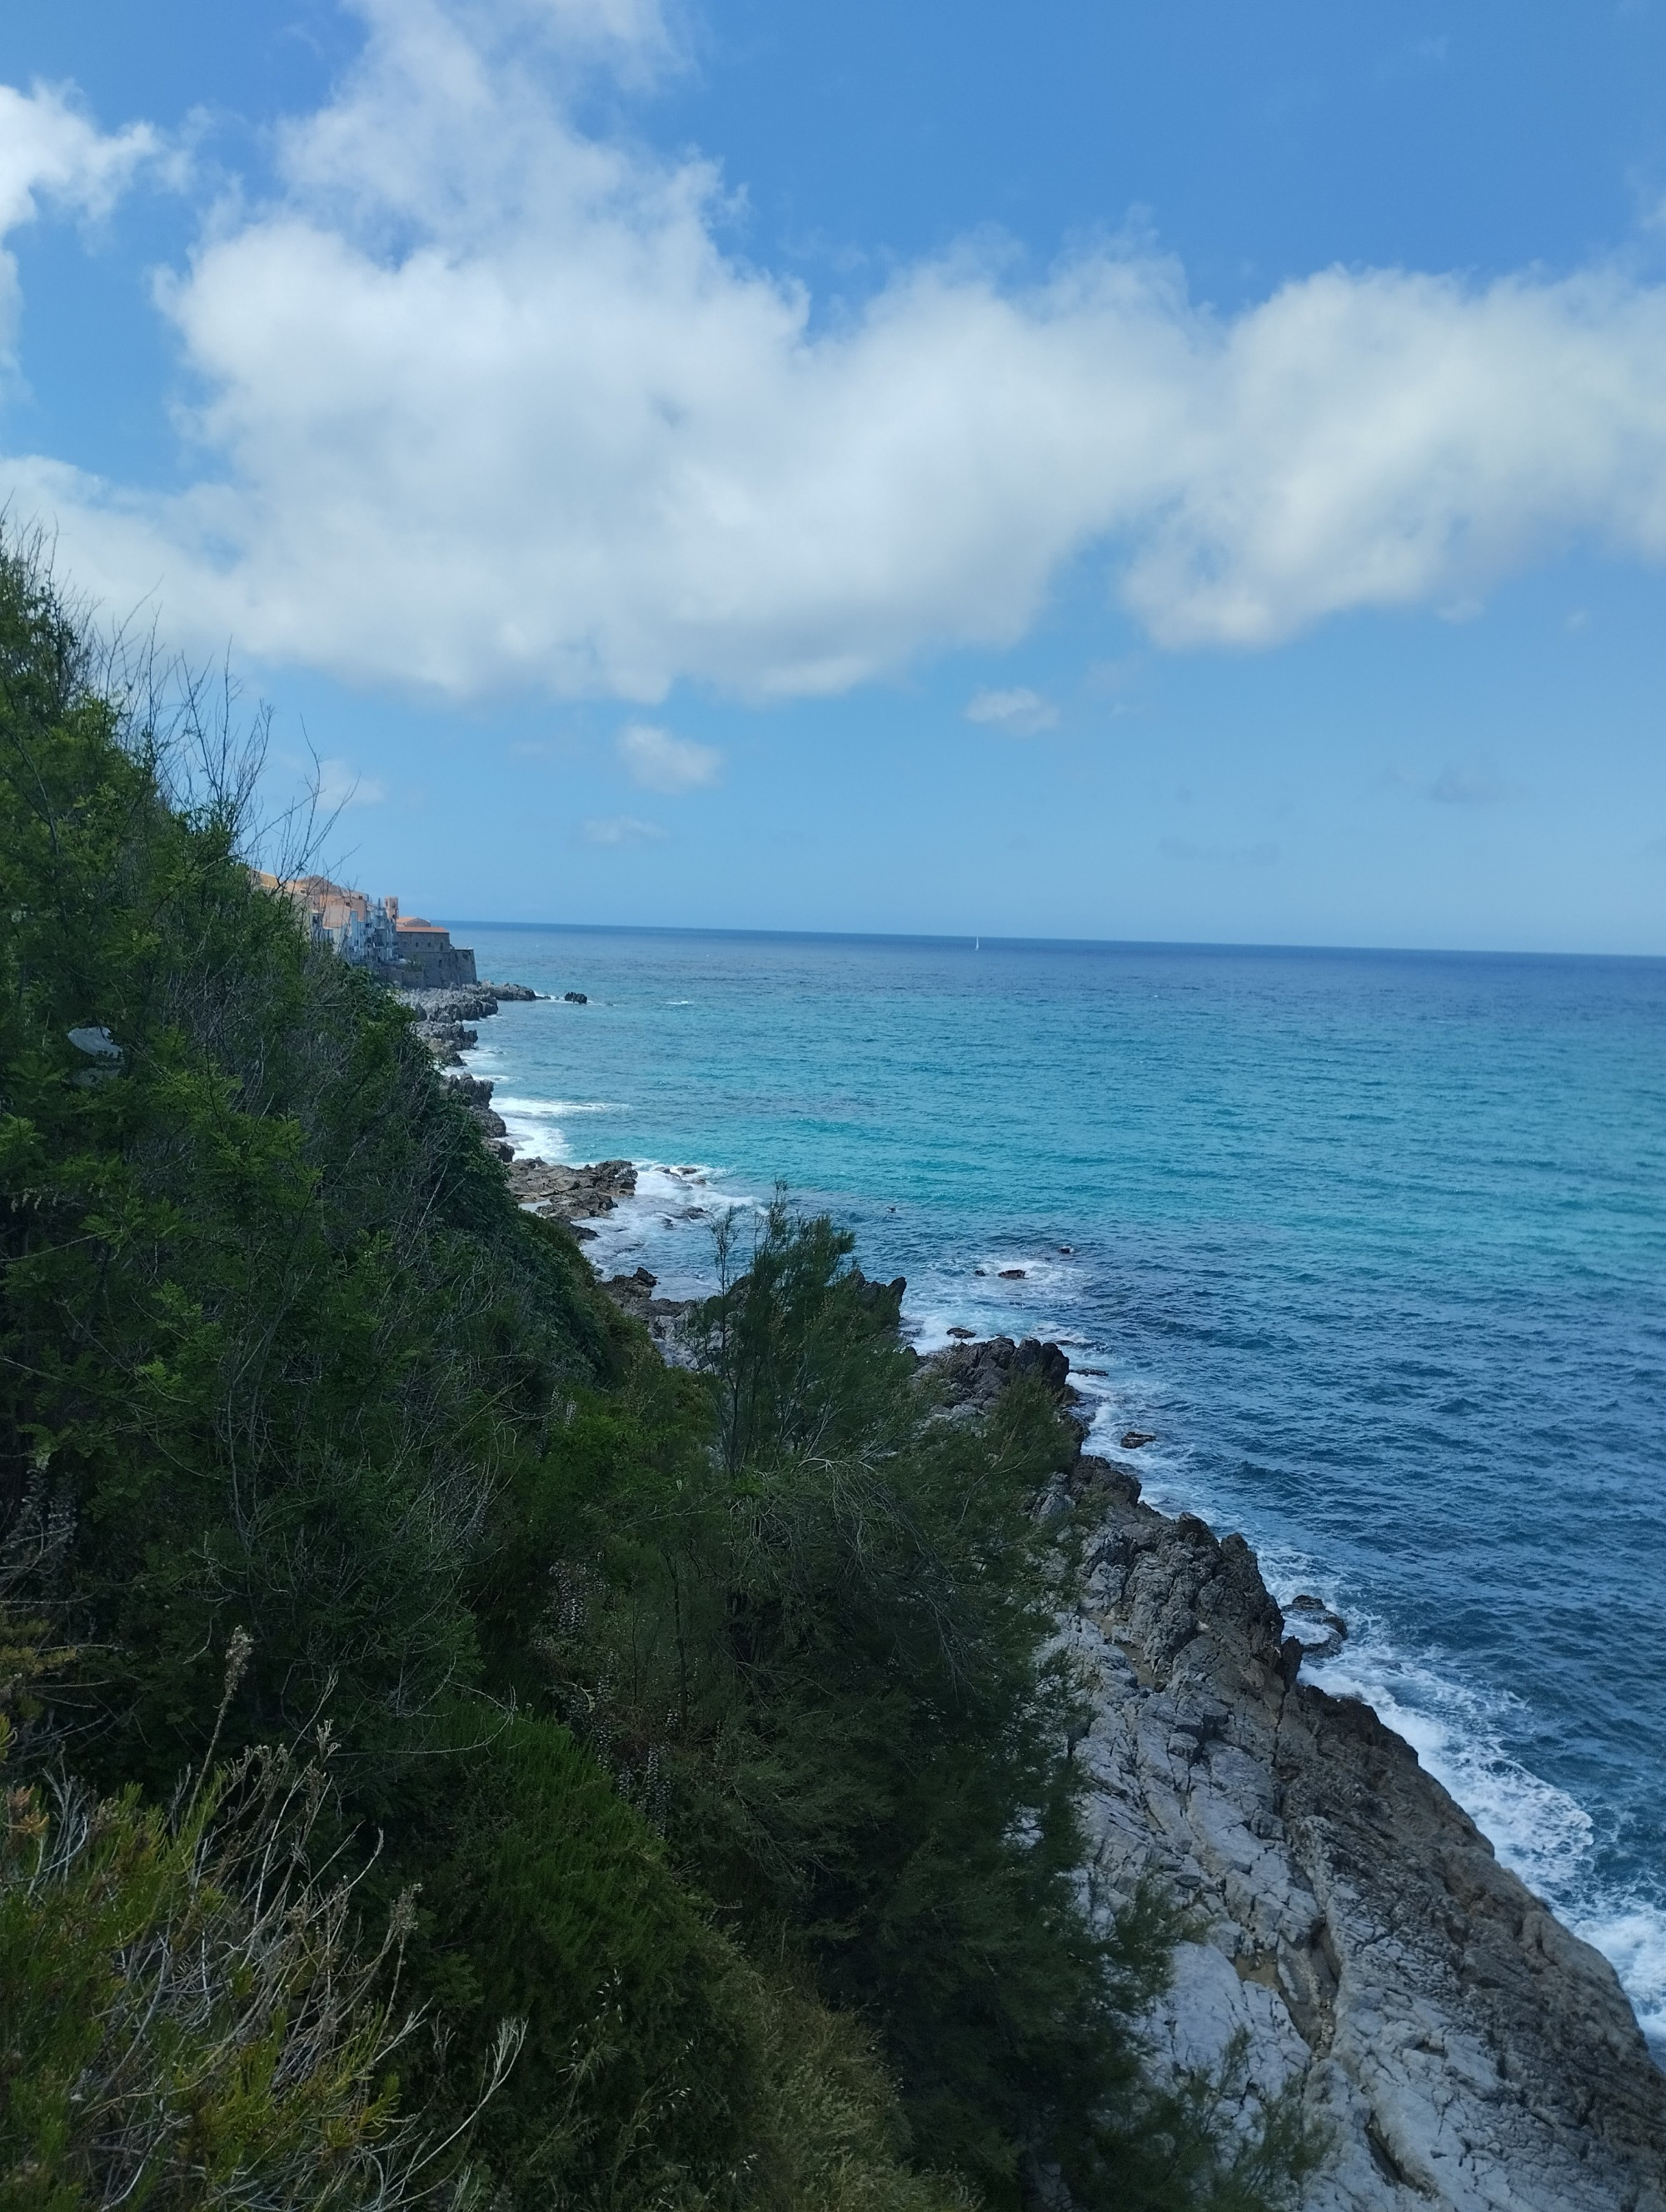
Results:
<point x="969" y="939"/>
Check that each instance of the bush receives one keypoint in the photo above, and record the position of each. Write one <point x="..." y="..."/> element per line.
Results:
<point x="273" y="1331"/>
<point x="639" y="2081"/>
<point x="186" y="2020"/>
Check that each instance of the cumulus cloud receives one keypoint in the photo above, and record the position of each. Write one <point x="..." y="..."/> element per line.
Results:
<point x="1020" y="713"/>
<point x="51" y="152"/>
<point x="621" y="829"/>
<point x="656" y="761"/>
<point x="489" y="407"/>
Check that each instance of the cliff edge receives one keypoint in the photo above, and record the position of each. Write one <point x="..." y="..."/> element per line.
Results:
<point x="1460" y="2048"/>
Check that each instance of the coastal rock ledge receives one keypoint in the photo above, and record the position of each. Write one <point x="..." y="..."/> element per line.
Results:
<point x="1461" y="2047"/>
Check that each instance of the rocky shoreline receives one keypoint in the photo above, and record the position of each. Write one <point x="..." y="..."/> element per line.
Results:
<point x="445" y="1017"/>
<point x="1353" y="1942"/>
<point x="1459" y="2047"/>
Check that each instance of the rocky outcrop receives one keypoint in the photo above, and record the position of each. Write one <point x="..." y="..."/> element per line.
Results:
<point x="474" y="1092"/>
<point x="443" y="1014"/>
<point x="663" y="1318"/>
<point x="1460" y="2047"/>
<point x="1352" y="1932"/>
<point x="968" y="1377"/>
<point x="572" y="1194"/>
<point x="883" y="1300"/>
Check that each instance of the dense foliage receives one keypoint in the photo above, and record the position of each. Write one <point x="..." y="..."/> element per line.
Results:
<point x="505" y="1765"/>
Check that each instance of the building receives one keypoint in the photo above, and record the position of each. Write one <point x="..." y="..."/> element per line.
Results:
<point x="424" y="951"/>
<point x="402" y="950"/>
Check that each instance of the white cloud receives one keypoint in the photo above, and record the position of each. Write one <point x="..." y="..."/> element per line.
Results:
<point x="622" y="829"/>
<point x="656" y="761"/>
<point x="488" y="408"/>
<point x="1020" y="713"/>
<point x="340" y="784"/>
<point x="49" y="150"/>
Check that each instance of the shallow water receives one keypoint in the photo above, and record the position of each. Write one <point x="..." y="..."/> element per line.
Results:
<point x="1375" y="1243"/>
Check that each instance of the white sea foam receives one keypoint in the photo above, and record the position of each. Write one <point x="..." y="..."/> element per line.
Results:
<point x="535" y="1125"/>
<point x="1458" y="1732"/>
<point x="557" y="1109"/>
<point x="668" y="1225"/>
<point x="1631" y="1934"/>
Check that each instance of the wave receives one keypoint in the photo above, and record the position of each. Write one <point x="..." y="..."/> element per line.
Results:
<point x="1539" y="1831"/>
<point x="1630" y="1931"/>
<point x="557" y="1109"/>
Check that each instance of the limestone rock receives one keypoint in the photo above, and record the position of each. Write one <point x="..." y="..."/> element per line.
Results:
<point x="1463" y="2049"/>
<point x="476" y="1093"/>
<point x="572" y="1193"/>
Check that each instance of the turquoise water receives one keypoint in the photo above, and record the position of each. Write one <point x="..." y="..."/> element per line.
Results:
<point x="1375" y="1242"/>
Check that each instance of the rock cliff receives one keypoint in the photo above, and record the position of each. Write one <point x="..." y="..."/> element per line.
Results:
<point x="1460" y="2048"/>
<point x="1352" y="1932"/>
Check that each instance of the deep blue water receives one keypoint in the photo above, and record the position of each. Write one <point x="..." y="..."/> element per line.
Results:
<point x="1375" y="1242"/>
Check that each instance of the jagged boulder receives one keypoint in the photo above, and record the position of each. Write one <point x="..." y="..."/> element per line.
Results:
<point x="883" y="1300"/>
<point x="476" y="1093"/>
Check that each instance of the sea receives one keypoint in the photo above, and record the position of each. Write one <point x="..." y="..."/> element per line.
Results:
<point x="1372" y="1244"/>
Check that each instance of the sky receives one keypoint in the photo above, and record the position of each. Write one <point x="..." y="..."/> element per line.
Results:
<point x="1165" y="470"/>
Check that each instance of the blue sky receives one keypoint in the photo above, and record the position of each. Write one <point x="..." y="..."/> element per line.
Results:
<point x="1172" y="470"/>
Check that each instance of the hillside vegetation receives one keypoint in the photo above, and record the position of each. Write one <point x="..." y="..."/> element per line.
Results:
<point x="451" y="1756"/>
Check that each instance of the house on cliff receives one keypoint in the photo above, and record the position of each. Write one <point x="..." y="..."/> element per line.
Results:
<point x="425" y="956"/>
<point x="402" y="950"/>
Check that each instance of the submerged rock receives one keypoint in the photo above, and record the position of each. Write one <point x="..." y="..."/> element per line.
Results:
<point x="1320" y="1632"/>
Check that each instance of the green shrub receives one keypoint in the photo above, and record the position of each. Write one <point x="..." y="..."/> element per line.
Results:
<point x="639" y="2079"/>
<point x="273" y="1331"/>
<point x="186" y="2023"/>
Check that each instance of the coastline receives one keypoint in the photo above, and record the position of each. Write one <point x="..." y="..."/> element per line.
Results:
<point x="1357" y="1945"/>
<point x="1357" y="1930"/>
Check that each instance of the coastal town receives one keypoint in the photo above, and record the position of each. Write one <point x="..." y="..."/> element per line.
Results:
<point x="402" y="950"/>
